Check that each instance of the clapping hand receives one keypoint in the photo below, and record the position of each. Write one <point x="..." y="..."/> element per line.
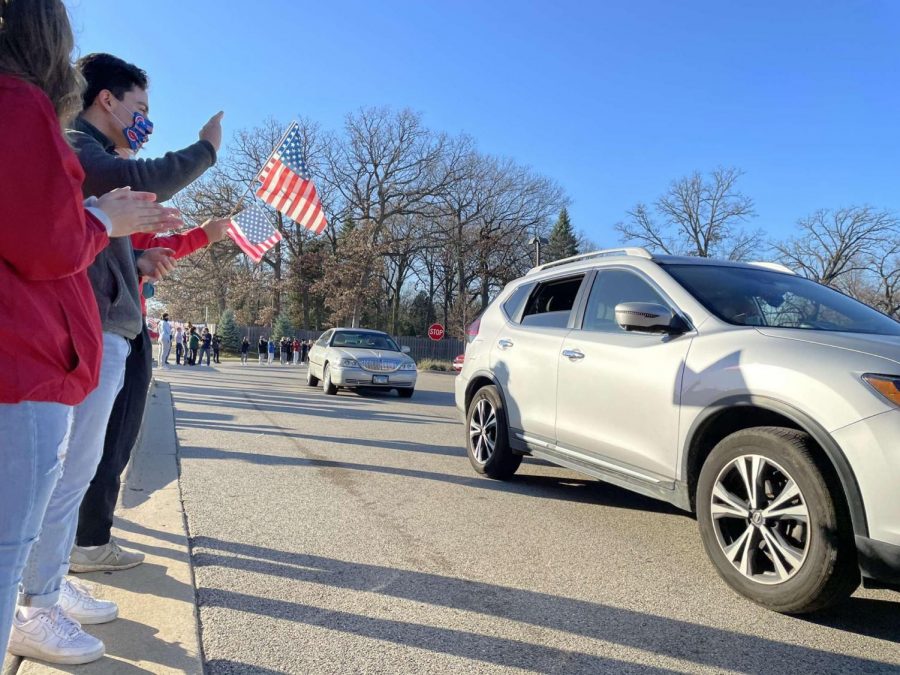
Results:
<point x="132" y="212"/>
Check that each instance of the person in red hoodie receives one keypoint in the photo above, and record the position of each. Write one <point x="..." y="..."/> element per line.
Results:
<point x="48" y="238"/>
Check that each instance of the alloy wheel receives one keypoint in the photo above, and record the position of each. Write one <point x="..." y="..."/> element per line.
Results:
<point x="761" y="519"/>
<point x="483" y="430"/>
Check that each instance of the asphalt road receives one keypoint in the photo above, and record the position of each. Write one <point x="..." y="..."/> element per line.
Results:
<point x="349" y="534"/>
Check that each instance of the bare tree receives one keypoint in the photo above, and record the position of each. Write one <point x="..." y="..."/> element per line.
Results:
<point x="832" y="245"/>
<point x="696" y="216"/>
<point x="388" y="166"/>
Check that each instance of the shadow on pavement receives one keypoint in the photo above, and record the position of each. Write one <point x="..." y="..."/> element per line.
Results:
<point x="548" y="487"/>
<point x="702" y="645"/>
<point x="863" y="616"/>
<point x="488" y="649"/>
<point x="228" y="667"/>
<point x="260" y="429"/>
<point x="150" y="579"/>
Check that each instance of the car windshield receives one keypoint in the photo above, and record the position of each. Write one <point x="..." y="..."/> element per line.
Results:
<point x="759" y="297"/>
<point x="364" y="340"/>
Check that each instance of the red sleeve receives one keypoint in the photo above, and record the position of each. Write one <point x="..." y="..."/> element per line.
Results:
<point x="182" y="243"/>
<point x="46" y="233"/>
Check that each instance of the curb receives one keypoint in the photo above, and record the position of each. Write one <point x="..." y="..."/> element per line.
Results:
<point x="157" y="630"/>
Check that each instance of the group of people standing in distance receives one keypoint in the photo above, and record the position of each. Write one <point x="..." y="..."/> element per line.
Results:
<point x="190" y="345"/>
<point x="292" y="351"/>
<point x="80" y="236"/>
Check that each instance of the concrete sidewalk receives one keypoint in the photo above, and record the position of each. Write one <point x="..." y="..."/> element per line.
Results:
<point x="156" y="631"/>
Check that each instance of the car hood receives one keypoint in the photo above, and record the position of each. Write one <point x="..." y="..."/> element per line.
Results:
<point x="881" y="346"/>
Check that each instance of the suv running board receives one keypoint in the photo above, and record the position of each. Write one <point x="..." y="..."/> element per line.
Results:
<point x="675" y="492"/>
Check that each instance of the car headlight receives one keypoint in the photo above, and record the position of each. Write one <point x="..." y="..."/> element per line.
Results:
<point x="349" y="363"/>
<point x="409" y="365"/>
<point x="886" y="385"/>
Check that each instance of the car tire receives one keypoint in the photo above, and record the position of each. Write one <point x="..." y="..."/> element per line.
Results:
<point x="774" y="522"/>
<point x="327" y="386"/>
<point x="487" y="436"/>
<point x="311" y="380"/>
<point x="406" y="392"/>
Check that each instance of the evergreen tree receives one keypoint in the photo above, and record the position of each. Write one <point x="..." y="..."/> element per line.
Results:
<point x="282" y="327"/>
<point x="347" y="226"/>
<point x="228" y="331"/>
<point x="563" y="242"/>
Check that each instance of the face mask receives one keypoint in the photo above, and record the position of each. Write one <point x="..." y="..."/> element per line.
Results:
<point x="138" y="132"/>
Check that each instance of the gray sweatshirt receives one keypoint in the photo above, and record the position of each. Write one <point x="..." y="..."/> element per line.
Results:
<point x="113" y="273"/>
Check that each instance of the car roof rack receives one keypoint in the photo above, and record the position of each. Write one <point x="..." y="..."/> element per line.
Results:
<point x="635" y="251"/>
<point x="777" y="267"/>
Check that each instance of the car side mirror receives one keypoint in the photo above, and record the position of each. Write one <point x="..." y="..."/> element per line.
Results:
<point x="649" y="317"/>
<point x="405" y="349"/>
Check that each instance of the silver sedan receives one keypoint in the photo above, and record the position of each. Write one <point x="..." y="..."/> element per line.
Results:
<point x="355" y="357"/>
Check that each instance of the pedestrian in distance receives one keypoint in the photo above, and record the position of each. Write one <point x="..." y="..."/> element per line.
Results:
<point x="54" y="402"/>
<point x="263" y="348"/>
<point x="245" y="350"/>
<point x="216" y="347"/>
<point x="194" y="342"/>
<point x="165" y="341"/>
<point x="271" y="349"/>
<point x="284" y="350"/>
<point x="179" y="345"/>
<point x="296" y="351"/>
<point x="205" y="346"/>
<point x="304" y="351"/>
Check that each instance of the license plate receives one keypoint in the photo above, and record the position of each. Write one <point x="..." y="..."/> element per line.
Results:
<point x="379" y="379"/>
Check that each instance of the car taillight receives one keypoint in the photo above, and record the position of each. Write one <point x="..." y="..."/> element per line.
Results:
<point x="472" y="330"/>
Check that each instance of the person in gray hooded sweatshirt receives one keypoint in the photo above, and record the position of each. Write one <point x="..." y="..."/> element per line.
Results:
<point x="114" y="123"/>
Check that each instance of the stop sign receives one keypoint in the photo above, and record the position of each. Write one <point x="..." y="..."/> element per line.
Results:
<point x="436" y="331"/>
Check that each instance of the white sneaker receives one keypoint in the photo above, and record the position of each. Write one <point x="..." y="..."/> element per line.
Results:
<point x="54" y="637"/>
<point x="77" y="600"/>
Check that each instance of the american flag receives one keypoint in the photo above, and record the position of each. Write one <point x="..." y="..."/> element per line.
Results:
<point x="253" y="232"/>
<point x="286" y="184"/>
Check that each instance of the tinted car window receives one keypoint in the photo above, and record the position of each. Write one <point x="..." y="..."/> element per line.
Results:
<point x="612" y="287"/>
<point x="512" y="306"/>
<point x="758" y="297"/>
<point x="551" y="303"/>
<point x="363" y="340"/>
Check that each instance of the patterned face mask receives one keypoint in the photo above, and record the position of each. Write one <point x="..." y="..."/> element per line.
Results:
<point x="138" y="132"/>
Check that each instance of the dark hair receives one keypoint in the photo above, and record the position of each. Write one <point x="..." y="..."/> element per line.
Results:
<point x="36" y="45"/>
<point x="105" y="71"/>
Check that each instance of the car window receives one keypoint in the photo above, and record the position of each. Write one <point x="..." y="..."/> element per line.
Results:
<point x="512" y="306"/>
<point x="323" y="341"/>
<point x="759" y="297"/>
<point x="364" y="340"/>
<point x="612" y="287"/>
<point x="550" y="304"/>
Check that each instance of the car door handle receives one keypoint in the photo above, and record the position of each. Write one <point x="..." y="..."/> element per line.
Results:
<point x="504" y="343"/>
<point x="573" y="354"/>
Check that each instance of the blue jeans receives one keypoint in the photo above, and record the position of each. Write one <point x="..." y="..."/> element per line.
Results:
<point x="48" y="561"/>
<point x="34" y="438"/>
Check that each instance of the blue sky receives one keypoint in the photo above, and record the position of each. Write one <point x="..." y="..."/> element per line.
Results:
<point x="613" y="100"/>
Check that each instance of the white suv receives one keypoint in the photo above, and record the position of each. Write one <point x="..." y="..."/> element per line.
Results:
<point x="767" y="404"/>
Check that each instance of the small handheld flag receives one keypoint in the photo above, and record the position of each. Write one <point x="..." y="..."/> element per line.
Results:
<point x="252" y="230"/>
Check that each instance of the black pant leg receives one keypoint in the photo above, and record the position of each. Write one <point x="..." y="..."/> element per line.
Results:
<point x="95" y="517"/>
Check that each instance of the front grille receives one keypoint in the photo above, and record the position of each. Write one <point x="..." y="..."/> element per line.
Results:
<point x="378" y="365"/>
